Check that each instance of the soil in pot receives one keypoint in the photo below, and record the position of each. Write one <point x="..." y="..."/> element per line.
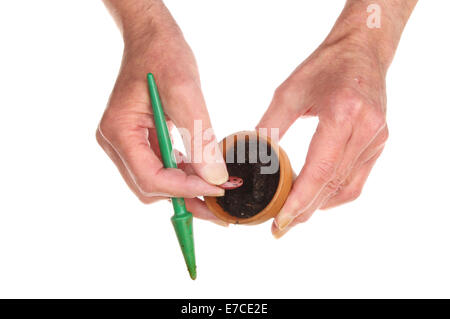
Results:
<point x="258" y="189"/>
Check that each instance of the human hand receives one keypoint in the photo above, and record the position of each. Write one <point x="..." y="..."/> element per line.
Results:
<point x="343" y="84"/>
<point x="127" y="133"/>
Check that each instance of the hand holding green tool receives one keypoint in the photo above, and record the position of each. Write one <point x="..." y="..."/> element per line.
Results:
<point x="182" y="219"/>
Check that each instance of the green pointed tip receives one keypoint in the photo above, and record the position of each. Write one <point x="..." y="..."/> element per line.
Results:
<point x="183" y="228"/>
<point x="193" y="273"/>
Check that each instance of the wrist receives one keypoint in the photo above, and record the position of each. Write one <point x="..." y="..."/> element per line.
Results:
<point x="351" y="28"/>
<point x="140" y="21"/>
<point x="356" y="25"/>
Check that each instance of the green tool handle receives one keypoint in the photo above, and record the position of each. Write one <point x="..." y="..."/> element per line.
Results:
<point x="165" y="144"/>
<point x="182" y="219"/>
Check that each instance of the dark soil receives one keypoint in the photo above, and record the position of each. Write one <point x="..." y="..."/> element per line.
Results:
<point x="258" y="189"/>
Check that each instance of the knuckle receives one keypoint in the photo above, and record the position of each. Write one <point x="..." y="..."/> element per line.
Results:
<point x="323" y="171"/>
<point x="145" y="200"/>
<point x="353" y="193"/>
<point x="375" y="122"/>
<point x="151" y="187"/>
<point x="146" y="188"/>
<point x="348" y="104"/>
<point x="384" y="135"/>
<point x="104" y="128"/>
<point x="98" y="136"/>
<point x="114" y="127"/>
<point x="281" y="92"/>
<point x="303" y="218"/>
<point x="285" y="96"/>
<point x="148" y="199"/>
<point x="334" y="187"/>
<point x="349" y="100"/>
<point x="107" y="127"/>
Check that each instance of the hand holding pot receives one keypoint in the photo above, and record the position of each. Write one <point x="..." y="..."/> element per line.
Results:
<point x="343" y="84"/>
<point x="154" y="43"/>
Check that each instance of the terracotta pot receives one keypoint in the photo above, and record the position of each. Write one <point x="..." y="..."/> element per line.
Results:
<point x="284" y="184"/>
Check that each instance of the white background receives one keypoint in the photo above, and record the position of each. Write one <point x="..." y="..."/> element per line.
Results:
<point x="69" y="227"/>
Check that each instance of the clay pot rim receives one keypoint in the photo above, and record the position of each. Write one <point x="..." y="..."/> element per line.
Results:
<point x="266" y="213"/>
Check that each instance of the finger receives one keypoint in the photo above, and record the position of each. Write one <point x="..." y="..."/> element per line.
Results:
<point x="375" y="148"/>
<point x="301" y="218"/>
<point x="282" y="111"/>
<point x="192" y="120"/>
<point x="109" y="150"/>
<point x="355" y="185"/>
<point x="357" y="153"/>
<point x="199" y="209"/>
<point x="154" y="144"/>
<point x="349" y="192"/>
<point x="324" y="156"/>
<point x="367" y="136"/>
<point x="277" y="233"/>
<point x="362" y="142"/>
<point x="148" y="173"/>
<point x="183" y="163"/>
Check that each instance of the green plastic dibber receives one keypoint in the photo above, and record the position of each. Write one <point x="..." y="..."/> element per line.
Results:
<point x="182" y="219"/>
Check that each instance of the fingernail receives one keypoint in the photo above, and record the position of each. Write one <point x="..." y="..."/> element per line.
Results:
<point x="215" y="173"/>
<point x="217" y="194"/>
<point x="277" y="234"/>
<point x="220" y="222"/>
<point x="283" y="220"/>
<point x="276" y="223"/>
<point x="280" y="233"/>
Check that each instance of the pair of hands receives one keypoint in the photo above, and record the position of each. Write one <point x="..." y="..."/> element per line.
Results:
<point x="342" y="83"/>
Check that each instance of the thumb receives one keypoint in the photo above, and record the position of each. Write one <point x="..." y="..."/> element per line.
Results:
<point x="200" y="142"/>
<point x="282" y="111"/>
